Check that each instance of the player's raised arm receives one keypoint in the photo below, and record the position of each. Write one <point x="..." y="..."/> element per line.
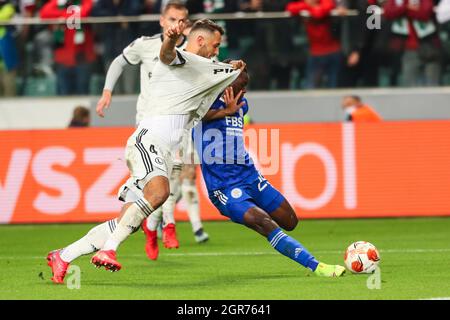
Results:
<point x="171" y="36"/>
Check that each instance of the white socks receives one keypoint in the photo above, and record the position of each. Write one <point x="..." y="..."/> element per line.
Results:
<point x="154" y="220"/>
<point x="168" y="209"/>
<point x="91" y="242"/>
<point x="190" y="196"/>
<point x="129" y="223"/>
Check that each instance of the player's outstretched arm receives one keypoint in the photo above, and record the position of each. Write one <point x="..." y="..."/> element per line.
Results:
<point x="114" y="72"/>
<point x="232" y="106"/>
<point x="104" y="102"/>
<point x="171" y="36"/>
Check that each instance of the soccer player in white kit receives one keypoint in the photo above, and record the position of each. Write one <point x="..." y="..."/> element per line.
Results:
<point x="182" y="186"/>
<point x="183" y="86"/>
<point x="144" y="51"/>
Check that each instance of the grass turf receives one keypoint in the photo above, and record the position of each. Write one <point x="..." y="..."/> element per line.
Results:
<point x="236" y="263"/>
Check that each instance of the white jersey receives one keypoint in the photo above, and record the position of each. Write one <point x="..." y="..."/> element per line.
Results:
<point x="145" y="51"/>
<point x="188" y="86"/>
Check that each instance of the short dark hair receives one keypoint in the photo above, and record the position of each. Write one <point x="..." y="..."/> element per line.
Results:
<point x="355" y="97"/>
<point x="81" y="117"/>
<point x="206" y="24"/>
<point x="81" y="112"/>
<point x="189" y="23"/>
<point x="175" y="4"/>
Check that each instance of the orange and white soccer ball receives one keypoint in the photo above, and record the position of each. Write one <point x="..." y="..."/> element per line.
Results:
<point x="361" y="257"/>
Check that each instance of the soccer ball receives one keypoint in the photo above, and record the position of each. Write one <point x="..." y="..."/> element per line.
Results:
<point x="361" y="257"/>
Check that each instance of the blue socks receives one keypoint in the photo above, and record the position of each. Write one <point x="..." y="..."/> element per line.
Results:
<point x="292" y="248"/>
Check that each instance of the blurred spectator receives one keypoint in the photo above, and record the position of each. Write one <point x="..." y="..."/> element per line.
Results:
<point x="159" y="5"/>
<point x="215" y="6"/>
<point x="364" y="49"/>
<point x="415" y="33"/>
<point x="208" y="6"/>
<point x="81" y="117"/>
<point x="8" y="51"/>
<point x="36" y="52"/>
<point x="325" y="49"/>
<point x="269" y="45"/>
<point x="116" y="36"/>
<point x="443" y="11"/>
<point x="357" y="111"/>
<point x="74" y="47"/>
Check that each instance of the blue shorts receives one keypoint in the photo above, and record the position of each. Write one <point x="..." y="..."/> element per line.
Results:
<point x="233" y="202"/>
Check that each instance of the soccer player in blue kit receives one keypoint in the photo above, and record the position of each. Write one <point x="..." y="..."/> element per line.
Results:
<point x="235" y="186"/>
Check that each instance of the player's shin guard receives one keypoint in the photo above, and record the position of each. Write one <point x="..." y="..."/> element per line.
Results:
<point x="91" y="242"/>
<point x="129" y="223"/>
<point x="292" y="248"/>
<point x="168" y="208"/>
<point x="190" y="196"/>
<point x="154" y="220"/>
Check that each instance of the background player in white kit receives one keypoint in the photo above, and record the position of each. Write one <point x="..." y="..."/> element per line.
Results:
<point x="183" y="86"/>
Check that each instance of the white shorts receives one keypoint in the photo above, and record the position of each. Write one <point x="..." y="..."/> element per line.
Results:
<point x="146" y="159"/>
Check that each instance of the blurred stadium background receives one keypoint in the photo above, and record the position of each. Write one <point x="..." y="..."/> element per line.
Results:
<point x="327" y="166"/>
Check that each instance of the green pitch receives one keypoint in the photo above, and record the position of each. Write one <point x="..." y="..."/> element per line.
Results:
<point x="237" y="263"/>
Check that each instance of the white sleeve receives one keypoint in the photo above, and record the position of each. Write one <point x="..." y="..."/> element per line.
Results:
<point x="114" y="72"/>
<point x="132" y="53"/>
<point x="443" y="11"/>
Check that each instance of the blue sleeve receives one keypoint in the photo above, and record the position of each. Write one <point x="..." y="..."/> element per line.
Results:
<point x="245" y="106"/>
<point x="218" y="104"/>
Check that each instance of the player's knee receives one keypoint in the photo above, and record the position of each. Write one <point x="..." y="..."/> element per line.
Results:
<point x="260" y="221"/>
<point x="291" y="225"/>
<point x="158" y="198"/>
<point x="156" y="191"/>
<point x="286" y="217"/>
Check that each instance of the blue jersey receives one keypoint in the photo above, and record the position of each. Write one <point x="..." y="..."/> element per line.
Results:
<point x="220" y="146"/>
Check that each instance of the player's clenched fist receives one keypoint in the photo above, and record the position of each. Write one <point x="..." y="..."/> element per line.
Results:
<point x="103" y="103"/>
<point x="238" y="64"/>
<point x="176" y="31"/>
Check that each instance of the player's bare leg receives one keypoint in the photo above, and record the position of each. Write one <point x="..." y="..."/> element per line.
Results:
<point x="155" y="194"/>
<point x="285" y="216"/>
<point x="189" y="194"/>
<point x="260" y="221"/>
